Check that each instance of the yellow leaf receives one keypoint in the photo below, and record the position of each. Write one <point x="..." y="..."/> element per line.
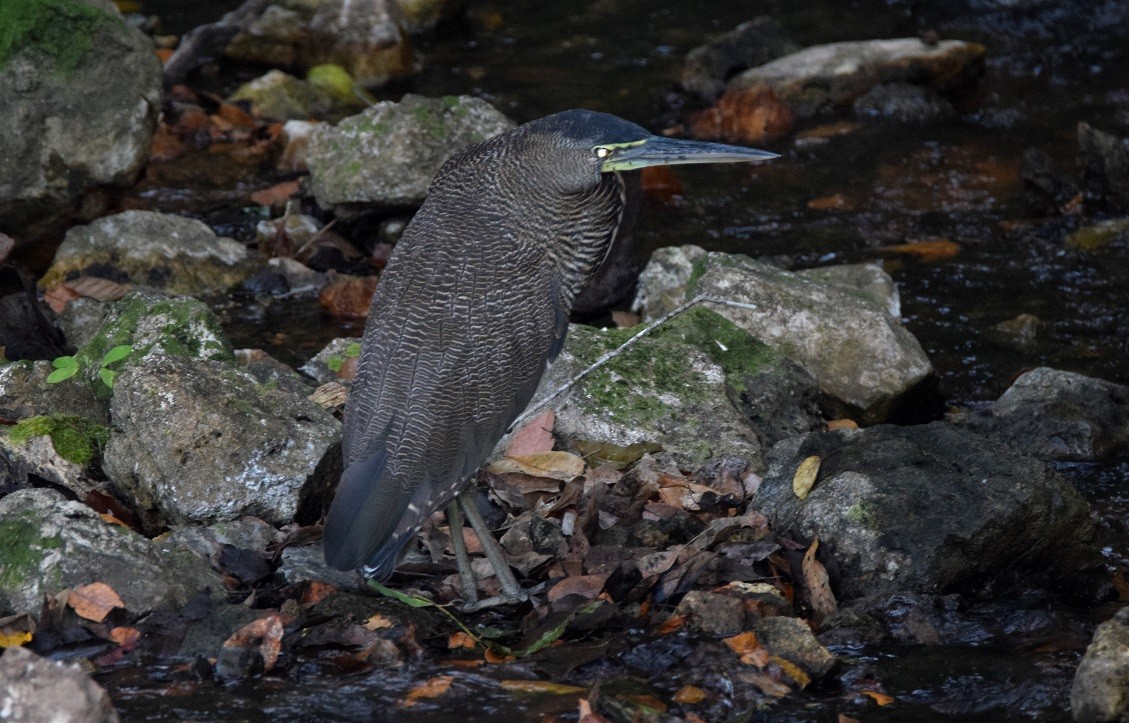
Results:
<point x="744" y="643"/>
<point x="792" y="670"/>
<point x="805" y="476"/>
<point x="879" y="698"/>
<point x="12" y="640"/>
<point x="927" y="250"/>
<point x="541" y="686"/>
<point x="689" y="695"/>
<point x="431" y="688"/>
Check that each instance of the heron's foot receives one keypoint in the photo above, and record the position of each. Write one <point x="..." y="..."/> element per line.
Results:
<point x="473" y="606"/>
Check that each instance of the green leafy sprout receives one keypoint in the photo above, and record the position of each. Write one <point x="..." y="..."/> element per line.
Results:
<point x="67" y="366"/>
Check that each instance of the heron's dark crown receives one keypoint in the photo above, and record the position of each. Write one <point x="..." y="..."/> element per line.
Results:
<point x="589" y="128"/>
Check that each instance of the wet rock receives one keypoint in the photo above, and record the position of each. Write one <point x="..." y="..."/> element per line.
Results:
<point x="929" y="508"/>
<point x="713" y="613"/>
<point x="24" y="392"/>
<point x="248" y="533"/>
<point x="868" y="278"/>
<point x="1100" y="692"/>
<point x="1105" y="168"/>
<point x="420" y="15"/>
<point x="296" y="137"/>
<point x="299" y="277"/>
<point x="81" y="319"/>
<point x="793" y="640"/>
<point x="744" y="116"/>
<point x="679" y="387"/>
<point x="280" y="96"/>
<point x="337" y="362"/>
<point x="756" y="42"/>
<point x="83" y="58"/>
<point x="27" y="325"/>
<point x="1054" y="414"/>
<point x="828" y="77"/>
<point x="1021" y="332"/>
<point x="307" y="562"/>
<point x="48" y="544"/>
<point x="1099" y="235"/>
<point x="272" y="373"/>
<point x="39" y="689"/>
<point x="363" y="37"/>
<point x="348" y="296"/>
<point x="858" y="353"/>
<point x="1046" y="189"/>
<point x="174" y="254"/>
<point x="200" y="441"/>
<point x="903" y="102"/>
<point x="58" y="448"/>
<point x="388" y="154"/>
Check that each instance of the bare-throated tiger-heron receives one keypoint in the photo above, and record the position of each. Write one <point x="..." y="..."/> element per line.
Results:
<point x="472" y="305"/>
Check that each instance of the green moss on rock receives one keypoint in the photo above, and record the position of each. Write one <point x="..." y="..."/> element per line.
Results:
<point x="62" y="30"/>
<point x="76" y="439"/>
<point x="21" y="549"/>
<point x="187" y="328"/>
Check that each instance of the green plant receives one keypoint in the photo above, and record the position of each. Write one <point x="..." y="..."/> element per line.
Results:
<point x="67" y="366"/>
<point x="336" y="362"/>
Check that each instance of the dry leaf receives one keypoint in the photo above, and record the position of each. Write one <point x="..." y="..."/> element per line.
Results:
<point x="316" y="591"/>
<point x="379" y="622"/>
<point x="94" y="601"/>
<point x="431" y="688"/>
<point x="689" y="695"/>
<point x="58" y="297"/>
<point x="842" y="424"/>
<point x="126" y="637"/>
<point x="818" y="585"/>
<point x="276" y="195"/>
<point x="834" y="202"/>
<point x="929" y="250"/>
<point x="673" y="623"/>
<point x="541" y="686"/>
<point x="14" y="639"/>
<point x="497" y="658"/>
<point x="266" y="632"/>
<point x="880" y="698"/>
<point x="536" y="436"/>
<point x="563" y="466"/>
<point x="792" y="670"/>
<point x="743" y="643"/>
<point x="97" y="288"/>
<point x="805" y="476"/>
<point x="460" y="640"/>
<point x="329" y="395"/>
<point x="111" y="520"/>
<point x="586" y="714"/>
<point x="588" y="586"/>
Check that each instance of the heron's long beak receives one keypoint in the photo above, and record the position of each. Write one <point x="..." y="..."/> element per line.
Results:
<point x="661" y="151"/>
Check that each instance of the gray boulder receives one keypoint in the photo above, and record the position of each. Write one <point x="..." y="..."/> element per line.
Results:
<point x="903" y="102"/>
<point x="198" y="442"/>
<point x="388" y="154"/>
<point x="930" y="508"/>
<point x="24" y="392"/>
<point x="1100" y="693"/>
<point x="748" y="45"/>
<point x="50" y="153"/>
<point x="58" y="448"/>
<point x="1054" y="414"/>
<point x="830" y="77"/>
<point x="840" y="333"/>
<point x="38" y="689"/>
<point x="174" y="254"/>
<point x="48" y="544"/>
<point x="1105" y="167"/>
<point x="681" y="387"/>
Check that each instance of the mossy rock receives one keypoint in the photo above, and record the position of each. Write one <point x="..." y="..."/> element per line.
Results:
<point x="62" y="31"/>
<point x="76" y="439"/>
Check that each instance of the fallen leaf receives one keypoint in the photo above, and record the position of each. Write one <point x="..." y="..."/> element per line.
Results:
<point x="834" y="202"/>
<point x="126" y="637"/>
<point x="534" y="437"/>
<point x="805" y="476"/>
<point x="818" y="585"/>
<point x="111" y="520"/>
<point x="460" y="640"/>
<point x="458" y="663"/>
<point x="689" y="695"/>
<point x="743" y="643"/>
<point x="750" y="115"/>
<point x="844" y="718"/>
<point x="880" y="698"/>
<point x="497" y="658"/>
<point x="276" y="195"/>
<point x="791" y="670"/>
<point x="563" y="466"/>
<point x="316" y="591"/>
<point x="14" y="639"/>
<point x="671" y="624"/>
<point x="58" y="297"/>
<point x="430" y="688"/>
<point x="266" y="632"/>
<point x="588" y="586"/>
<point x="97" y="288"/>
<point x="329" y="395"/>
<point x="547" y="687"/>
<point x="928" y="250"/>
<point x="586" y="715"/>
<point x="348" y="296"/>
<point x="94" y="601"/>
<point x="842" y="424"/>
<point x="379" y="622"/>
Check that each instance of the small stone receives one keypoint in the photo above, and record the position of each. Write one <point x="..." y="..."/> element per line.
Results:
<point x="793" y="640"/>
<point x="1100" y="693"/>
<point x="745" y="116"/>
<point x="39" y="689"/>
<point x="713" y="613"/>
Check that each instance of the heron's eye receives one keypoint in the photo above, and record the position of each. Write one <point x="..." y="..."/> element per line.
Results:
<point x="602" y="152"/>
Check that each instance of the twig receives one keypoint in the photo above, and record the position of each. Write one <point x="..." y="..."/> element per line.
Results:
<point x="624" y="347"/>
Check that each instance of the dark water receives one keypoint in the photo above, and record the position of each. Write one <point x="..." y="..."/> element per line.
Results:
<point x="1050" y="66"/>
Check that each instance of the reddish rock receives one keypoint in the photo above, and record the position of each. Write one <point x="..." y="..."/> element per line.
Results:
<point x="348" y="296"/>
<point x="751" y="115"/>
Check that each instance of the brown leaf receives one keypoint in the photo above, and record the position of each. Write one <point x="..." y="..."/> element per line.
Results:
<point x="818" y="585"/>
<point x="497" y="658"/>
<point x="460" y="639"/>
<point x="750" y="115"/>
<point x="236" y="116"/>
<point x="805" y="476"/>
<point x="587" y="715"/>
<point x="348" y="296"/>
<point x="880" y="698"/>
<point x="316" y="591"/>
<point x="534" y="437"/>
<point x="58" y="297"/>
<point x="555" y="465"/>
<point x="330" y="395"/>
<point x="793" y="671"/>
<point x="266" y="632"/>
<point x="743" y="643"/>
<point x="276" y="195"/>
<point x="842" y="424"/>
<point x="430" y="688"/>
<point x="126" y="637"/>
<point x="547" y="687"/>
<point x="661" y="184"/>
<point x="834" y="202"/>
<point x="928" y="250"/>
<point x="588" y="586"/>
<point x="97" y="288"/>
<point x="379" y="622"/>
<point x="671" y="624"/>
<point x="94" y="601"/>
<point x="689" y="695"/>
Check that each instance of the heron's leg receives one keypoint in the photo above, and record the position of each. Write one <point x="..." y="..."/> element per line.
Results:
<point x="510" y="589"/>
<point x="467" y="584"/>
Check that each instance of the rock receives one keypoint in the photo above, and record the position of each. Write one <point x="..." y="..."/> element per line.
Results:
<point x="39" y="689"/>
<point x="270" y="372"/>
<point x="296" y="137"/>
<point x="59" y="56"/>
<point x="299" y="277"/>
<point x="248" y="533"/>
<point x="748" y="45"/>
<point x="858" y="353"/>
<point x="81" y="319"/>
<point x="745" y="116"/>
<point x="348" y="296"/>
<point x="868" y="278"/>
<point x="1100" y="692"/>
<point x="280" y="96"/>
<point x="337" y="362"/>
<point x="1099" y="235"/>
<point x="307" y="562"/>
<point x="198" y="442"/>
<point x="677" y="387"/>
<point x="1021" y="332"/>
<point x="418" y="16"/>
<point x="174" y="254"/>
<point x="362" y="36"/>
<point x="793" y="640"/>
<point x="388" y="154"/>
<point x="1060" y="415"/>
<point x="830" y="77"/>
<point x="1105" y="168"/>
<point x="48" y="544"/>
<point x="58" y="448"/>
<point x="27" y="328"/>
<point x="24" y="392"/>
<point x="903" y="102"/>
<point x="930" y="508"/>
<point x="713" y="613"/>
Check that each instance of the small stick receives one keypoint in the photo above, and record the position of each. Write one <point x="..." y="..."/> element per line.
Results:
<point x="624" y="347"/>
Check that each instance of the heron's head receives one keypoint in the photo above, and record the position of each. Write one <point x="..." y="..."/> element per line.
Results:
<point x="576" y="146"/>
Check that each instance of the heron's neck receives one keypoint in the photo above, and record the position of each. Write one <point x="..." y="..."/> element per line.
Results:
<point x="582" y="245"/>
